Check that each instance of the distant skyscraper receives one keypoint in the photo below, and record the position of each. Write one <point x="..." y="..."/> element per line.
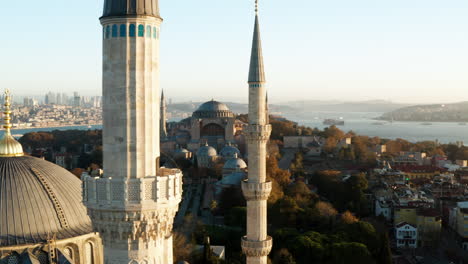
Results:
<point x="76" y="99"/>
<point x="257" y="244"/>
<point x="133" y="205"/>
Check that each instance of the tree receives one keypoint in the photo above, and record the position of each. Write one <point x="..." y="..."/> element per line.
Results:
<point x="350" y="253"/>
<point x="326" y="209"/>
<point x="348" y="218"/>
<point x="283" y="256"/>
<point x="182" y="248"/>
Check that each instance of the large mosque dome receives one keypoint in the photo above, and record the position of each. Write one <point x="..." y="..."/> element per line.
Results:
<point x="39" y="200"/>
<point x="213" y="109"/>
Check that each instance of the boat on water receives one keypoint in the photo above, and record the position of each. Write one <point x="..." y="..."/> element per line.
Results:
<point x="426" y="124"/>
<point x="378" y="123"/>
<point x="333" y="122"/>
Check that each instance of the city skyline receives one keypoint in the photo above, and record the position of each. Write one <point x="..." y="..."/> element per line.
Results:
<point x="403" y="52"/>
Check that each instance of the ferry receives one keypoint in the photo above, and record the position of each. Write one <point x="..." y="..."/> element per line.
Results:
<point x="333" y="122"/>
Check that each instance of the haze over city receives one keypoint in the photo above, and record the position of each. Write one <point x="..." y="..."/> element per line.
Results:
<point x="403" y="51"/>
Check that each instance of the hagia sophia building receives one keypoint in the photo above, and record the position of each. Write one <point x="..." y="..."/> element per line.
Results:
<point x="126" y="214"/>
<point x="212" y="133"/>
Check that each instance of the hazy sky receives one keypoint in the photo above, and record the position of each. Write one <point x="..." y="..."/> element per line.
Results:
<point x="399" y="50"/>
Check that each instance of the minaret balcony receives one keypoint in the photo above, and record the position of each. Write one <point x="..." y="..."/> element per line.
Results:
<point x="256" y="248"/>
<point x="254" y="191"/>
<point x="118" y="193"/>
<point x="254" y="133"/>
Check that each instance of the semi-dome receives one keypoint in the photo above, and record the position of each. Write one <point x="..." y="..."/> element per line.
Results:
<point x="39" y="200"/>
<point x="235" y="164"/>
<point x="206" y="151"/>
<point x="212" y="109"/>
<point x="120" y="8"/>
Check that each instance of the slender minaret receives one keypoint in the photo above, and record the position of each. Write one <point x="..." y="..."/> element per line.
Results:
<point x="163" y="116"/>
<point x="133" y="204"/>
<point x="257" y="244"/>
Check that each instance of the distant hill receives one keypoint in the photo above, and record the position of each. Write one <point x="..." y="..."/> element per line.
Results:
<point x="302" y="106"/>
<point x="457" y="112"/>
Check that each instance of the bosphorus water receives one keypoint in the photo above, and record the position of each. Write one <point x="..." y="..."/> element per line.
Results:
<point x="363" y="123"/>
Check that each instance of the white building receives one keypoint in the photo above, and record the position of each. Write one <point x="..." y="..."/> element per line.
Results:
<point x="406" y="235"/>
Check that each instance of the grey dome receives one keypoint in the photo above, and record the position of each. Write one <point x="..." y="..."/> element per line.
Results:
<point x="206" y="151"/>
<point x="39" y="199"/>
<point x="235" y="163"/>
<point x="213" y="109"/>
<point x="229" y="152"/>
<point x="119" y="8"/>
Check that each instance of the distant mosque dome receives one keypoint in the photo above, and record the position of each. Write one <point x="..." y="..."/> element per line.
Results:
<point x="229" y="151"/>
<point x="212" y="109"/>
<point x="235" y="164"/>
<point x="206" y="151"/>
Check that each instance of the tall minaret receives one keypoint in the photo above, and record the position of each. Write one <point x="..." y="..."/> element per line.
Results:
<point x="257" y="244"/>
<point x="163" y="117"/>
<point x="134" y="203"/>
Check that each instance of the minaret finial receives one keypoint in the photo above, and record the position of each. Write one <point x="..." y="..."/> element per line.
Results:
<point x="7" y="112"/>
<point x="256" y="7"/>
<point x="9" y="147"/>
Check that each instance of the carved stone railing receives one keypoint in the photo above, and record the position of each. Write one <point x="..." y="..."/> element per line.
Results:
<point x="257" y="132"/>
<point x="256" y="191"/>
<point x="256" y="248"/>
<point x="99" y="192"/>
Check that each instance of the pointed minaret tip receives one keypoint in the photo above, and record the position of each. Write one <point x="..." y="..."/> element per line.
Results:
<point x="256" y="72"/>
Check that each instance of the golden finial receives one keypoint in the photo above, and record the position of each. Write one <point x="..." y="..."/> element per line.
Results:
<point x="7" y="112"/>
<point x="9" y="147"/>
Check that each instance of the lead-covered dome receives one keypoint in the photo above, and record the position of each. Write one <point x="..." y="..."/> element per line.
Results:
<point x="39" y="199"/>
<point x="206" y="151"/>
<point x="120" y="8"/>
<point x="212" y="109"/>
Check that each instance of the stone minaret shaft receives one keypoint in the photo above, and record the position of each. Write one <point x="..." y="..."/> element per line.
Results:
<point x="163" y="117"/>
<point x="257" y="244"/>
<point x="133" y="205"/>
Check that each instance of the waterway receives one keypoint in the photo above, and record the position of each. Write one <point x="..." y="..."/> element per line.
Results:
<point x="363" y="123"/>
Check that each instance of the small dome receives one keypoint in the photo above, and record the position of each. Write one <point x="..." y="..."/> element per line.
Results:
<point x="212" y="109"/>
<point x="181" y="150"/>
<point x="206" y="151"/>
<point x="235" y="163"/>
<point x="43" y="197"/>
<point x="9" y="147"/>
<point x="229" y="151"/>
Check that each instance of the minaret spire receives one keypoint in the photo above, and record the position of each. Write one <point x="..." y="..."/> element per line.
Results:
<point x="257" y="244"/>
<point x="163" y="117"/>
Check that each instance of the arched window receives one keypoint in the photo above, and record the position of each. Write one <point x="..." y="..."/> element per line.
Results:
<point x="141" y="30"/>
<point x="148" y="31"/>
<point x="132" y="30"/>
<point x="155" y="33"/>
<point x="123" y="30"/>
<point x="69" y="252"/>
<point x="89" y="253"/>
<point x="114" y="31"/>
<point x="108" y="32"/>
